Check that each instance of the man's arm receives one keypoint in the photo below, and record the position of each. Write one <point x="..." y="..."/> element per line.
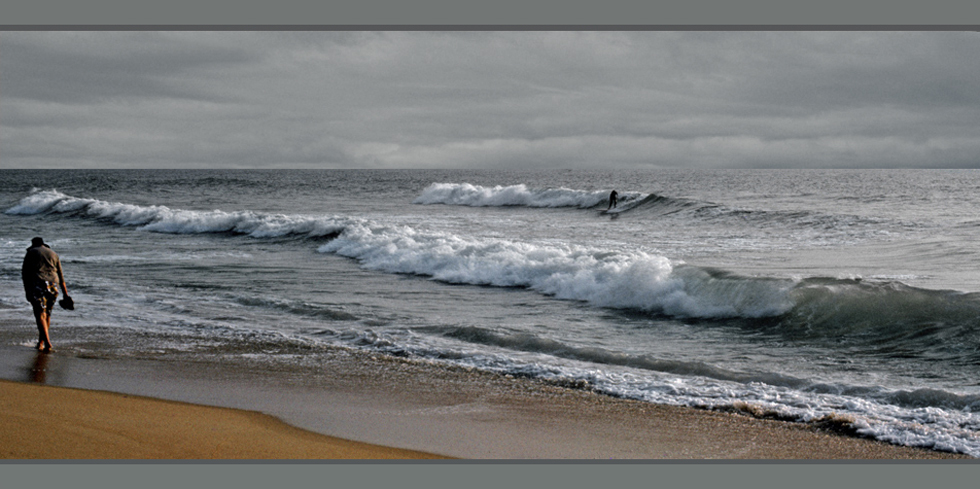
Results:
<point x="61" y="279"/>
<point x="24" y="274"/>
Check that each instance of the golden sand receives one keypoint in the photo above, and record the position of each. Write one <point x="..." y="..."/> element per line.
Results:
<point x="41" y="422"/>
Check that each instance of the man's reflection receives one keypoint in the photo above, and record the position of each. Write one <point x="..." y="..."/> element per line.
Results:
<point x="38" y="371"/>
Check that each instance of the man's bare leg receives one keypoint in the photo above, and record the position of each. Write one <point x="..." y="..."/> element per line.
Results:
<point x="43" y="319"/>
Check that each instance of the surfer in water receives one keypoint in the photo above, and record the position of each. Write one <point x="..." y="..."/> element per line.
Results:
<point x="612" y="200"/>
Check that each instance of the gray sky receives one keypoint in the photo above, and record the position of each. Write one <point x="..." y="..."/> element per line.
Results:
<point x="489" y="99"/>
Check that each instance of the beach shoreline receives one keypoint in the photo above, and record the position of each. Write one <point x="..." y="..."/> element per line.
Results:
<point x="419" y="409"/>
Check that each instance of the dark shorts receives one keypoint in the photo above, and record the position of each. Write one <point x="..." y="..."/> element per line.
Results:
<point x="44" y="295"/>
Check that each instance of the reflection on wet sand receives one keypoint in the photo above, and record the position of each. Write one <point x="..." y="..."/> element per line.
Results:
<point x="38" y="371"/>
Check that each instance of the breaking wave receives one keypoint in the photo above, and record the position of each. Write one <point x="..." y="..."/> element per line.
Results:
<point x="162" y="219"/>
<point x="624" y="280"/>
<point x="517" y="195"/>
<point x="652" y="205"/>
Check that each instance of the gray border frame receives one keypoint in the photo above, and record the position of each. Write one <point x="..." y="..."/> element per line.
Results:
<point x="470" y="13"/>
<point x="783" y="15"/>
<point x="491" y="28"/>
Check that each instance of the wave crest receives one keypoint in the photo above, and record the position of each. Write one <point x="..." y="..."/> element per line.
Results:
<point x="624" y="280"/>
<point x="466" y="194"/>
<point x="162" y="219"/>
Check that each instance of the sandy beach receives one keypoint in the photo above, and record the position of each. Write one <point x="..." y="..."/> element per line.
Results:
<point x="102" y="425"/>
<point x="425" y="410"/>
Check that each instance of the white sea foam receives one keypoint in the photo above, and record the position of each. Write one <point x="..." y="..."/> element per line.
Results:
<point x="514" y="195"/>
<point x="162" y="219"/>
<point x="951" y="429"/>
<point x="628" y="279"/>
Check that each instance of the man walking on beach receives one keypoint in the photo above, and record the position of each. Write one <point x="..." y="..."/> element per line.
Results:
<point x="42" y="276"/>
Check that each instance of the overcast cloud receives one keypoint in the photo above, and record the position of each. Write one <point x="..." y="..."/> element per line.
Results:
<point x="489" y="99"/>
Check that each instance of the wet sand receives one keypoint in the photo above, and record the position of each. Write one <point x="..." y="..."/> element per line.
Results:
<point x="422" y="409"/>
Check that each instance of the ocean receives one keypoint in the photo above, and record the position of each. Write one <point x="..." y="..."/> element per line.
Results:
<point x="850" y="295"/>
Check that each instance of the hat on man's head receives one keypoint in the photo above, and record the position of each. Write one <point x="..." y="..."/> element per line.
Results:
<point x="37" y="242"/>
